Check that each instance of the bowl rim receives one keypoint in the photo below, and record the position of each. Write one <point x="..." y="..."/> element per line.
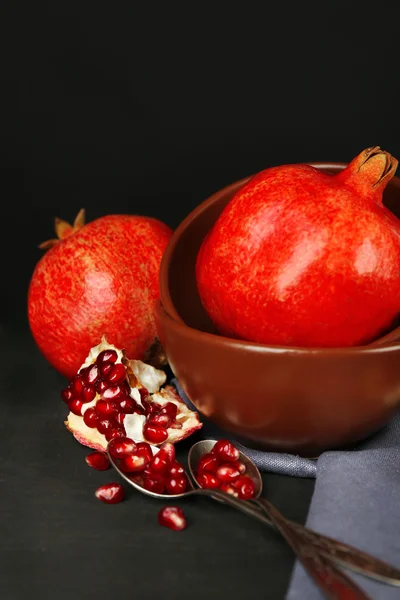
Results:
<point x="254" y="347"/>
<point x="165" y="297"/>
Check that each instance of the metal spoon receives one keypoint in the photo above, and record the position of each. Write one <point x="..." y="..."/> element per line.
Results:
<point x="332" y="581"/>
<point x="340" y="553"/>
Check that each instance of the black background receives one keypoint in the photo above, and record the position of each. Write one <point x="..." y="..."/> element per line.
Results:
<point x="149" y="108"/>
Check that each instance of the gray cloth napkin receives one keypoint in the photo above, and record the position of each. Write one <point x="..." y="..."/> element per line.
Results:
<point x="356" y="499"/>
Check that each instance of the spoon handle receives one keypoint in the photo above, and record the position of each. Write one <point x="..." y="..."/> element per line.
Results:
<point x="332" y="581"/>
<point x="345" y="555"/>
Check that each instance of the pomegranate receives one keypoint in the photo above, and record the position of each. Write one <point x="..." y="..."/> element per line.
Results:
<point x="305" y="258"/>
<point x="120" y="408"/>
<point x="222" y="468"/>
<point x="110" y="493"/>
<point x="99" y="278"/>
<point x="172" y="517"/>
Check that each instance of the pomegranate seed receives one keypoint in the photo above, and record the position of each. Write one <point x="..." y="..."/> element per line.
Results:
<point x="105" y="368"/>
<point x="154" y="483"/>
<point x="245" y="487"/>
<point x="117" y="373"/>
<point x="175" y="469"/>
<point x="98" y="461"/>
<point x="128" y="406"/>
<point x="176" y="485"/>
<point x="139" y="409"/>
<point x="151" y="407"/>
<point x="114" y="392"/>
<point x="91" y="417"/>
<point x="159" y="462"/>
<point x="208" y="480"/>
<point x="172" y="517"/>
<point x="147" y="471"/>
<point x="75" y="406"/>
<point x="77" y="385"/>
<point x="155" y="434"/>
<point x="229" y="489"/>
<point x="240" y="466"/>
<point x="170" y="409"/>
<point x="91" y="374"/>
<point x="227" y="473"/>
<point x="106" y="407"/>
<point x="126" y="388"/>
<point x="160" y="420"/>
<point x="144" y="394"/>
<point x="137" y="478"/>
<point x="143" y="449"/>
<point x="169" y="449"/>
<point x="133" y="463"/>
<point x="67" y="394"/>
<point x="226" y="451"/>
<point x="176" y="425"/>
<point x="82" y="372"/>
<point x="115" y="432"/>
<point x="107" y="356"/>
<point x="121" y="447"/>
<point x="105" y="425"/>
<point x="120" y="418"/>
<point x="101" y="386"/>
<point x="111" y="493"/>
<point x="208" y="462"/>
<point x="88" y="393"/>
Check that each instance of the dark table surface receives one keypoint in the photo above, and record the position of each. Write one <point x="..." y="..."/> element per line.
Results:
<point x="134" y="107"/>
<point x="58" y="541"/>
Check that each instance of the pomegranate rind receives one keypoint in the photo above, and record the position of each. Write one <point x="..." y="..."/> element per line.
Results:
<point x="140" y="375"/>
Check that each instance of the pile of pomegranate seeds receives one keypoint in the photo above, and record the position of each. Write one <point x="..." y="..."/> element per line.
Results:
<point x="172" y="517"/>
<point x="107" y="380"/>
<point x="160" y="473"/>
<point x="222" y="469"/>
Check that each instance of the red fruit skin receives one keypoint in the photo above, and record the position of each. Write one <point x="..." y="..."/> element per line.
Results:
<point x="102" y="280"/>
<point x="315" y="265"/>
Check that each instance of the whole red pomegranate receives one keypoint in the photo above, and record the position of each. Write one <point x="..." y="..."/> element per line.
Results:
<point x="97" y="279"/>
<point x="304" y="258"/>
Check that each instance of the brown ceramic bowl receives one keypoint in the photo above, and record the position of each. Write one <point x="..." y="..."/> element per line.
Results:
<point x="302" y="400"/>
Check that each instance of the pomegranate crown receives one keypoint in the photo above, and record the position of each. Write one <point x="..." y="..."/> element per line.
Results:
<point x="64" y="229"/>
<point x="370" y="172"/>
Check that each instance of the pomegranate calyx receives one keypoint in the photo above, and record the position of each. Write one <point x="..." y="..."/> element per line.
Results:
<point x="64" y="229"/>
<point x="370" y="171"/>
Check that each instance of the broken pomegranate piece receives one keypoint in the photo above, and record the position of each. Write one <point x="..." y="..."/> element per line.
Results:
<point x="112" y="397"/>
<point x="222" y="468"/>
<point x="172" y="517"/>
